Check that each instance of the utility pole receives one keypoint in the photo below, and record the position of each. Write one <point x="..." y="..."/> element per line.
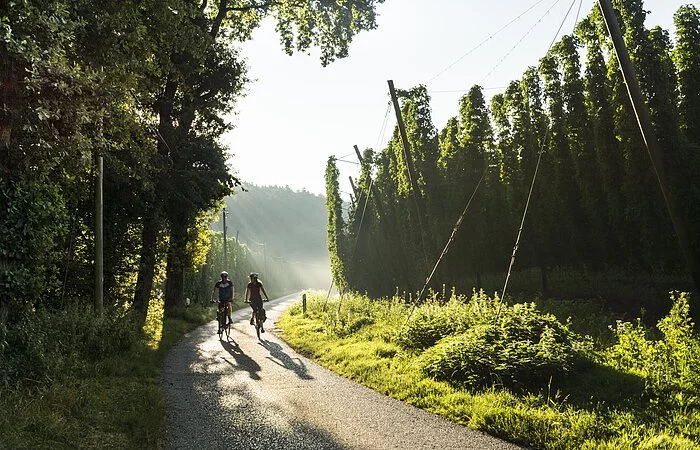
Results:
<point x="99" y="236"/>
<point x="406" y="147"/>
<point x="235" y="259"/>
<point x="264" y="259"/>
<point x="357" y="150"/>
<point x="409" y="166"/>
<point x="354" y="188"/>
<point x="652" y="145"/>
<point x="223" y="214"/>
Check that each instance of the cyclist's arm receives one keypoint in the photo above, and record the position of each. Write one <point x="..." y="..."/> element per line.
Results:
<point x="212" y="293"/>
<point x="247" y="294"/>
<point x="230" y="299"/>
<point x="262" y="288"/>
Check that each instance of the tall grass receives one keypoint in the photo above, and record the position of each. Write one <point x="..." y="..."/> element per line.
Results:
<point x="515" y="371"/>
<point x="71" y="380"/>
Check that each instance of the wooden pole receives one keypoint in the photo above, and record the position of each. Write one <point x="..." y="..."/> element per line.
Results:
<point x="409" y="166"/>
<point x="223" y="214"/>
<point x="357" y="152"/>
<point x="99" y="261"/>
<point x="652" y="145"/>
<point x="354" y="188"/>
<point x="406" y="147"/>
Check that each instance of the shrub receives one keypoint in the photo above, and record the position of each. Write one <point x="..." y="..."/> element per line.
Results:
<point x="44" y="344"/>
<point x="669" y="364"/>
<point x="434" y="320"/>
<point x="520" y="348"/>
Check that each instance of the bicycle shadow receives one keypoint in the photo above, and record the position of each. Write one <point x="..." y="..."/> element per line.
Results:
<point x="284" y="360"/>
<point x="243" y="361"/>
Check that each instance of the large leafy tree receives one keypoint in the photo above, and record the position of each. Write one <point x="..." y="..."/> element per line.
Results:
<point x="199" y="77"/>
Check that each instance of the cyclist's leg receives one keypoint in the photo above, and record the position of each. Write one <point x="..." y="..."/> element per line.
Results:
<point x="221" y="315"/>
<point x="229" y="311"/>
<point x="258" y="312"/>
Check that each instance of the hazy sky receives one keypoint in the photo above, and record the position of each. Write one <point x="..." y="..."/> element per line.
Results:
<point x="297" y="113"/>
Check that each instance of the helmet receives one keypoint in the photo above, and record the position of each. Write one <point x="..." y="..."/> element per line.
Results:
<point x="224" y="274"/>
<point x="253" y="275"/>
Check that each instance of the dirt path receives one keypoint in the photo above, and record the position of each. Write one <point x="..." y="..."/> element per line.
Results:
<point x="250" y="394"/>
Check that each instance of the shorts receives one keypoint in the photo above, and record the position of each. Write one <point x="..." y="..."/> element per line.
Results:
<point x="256" y="303"/>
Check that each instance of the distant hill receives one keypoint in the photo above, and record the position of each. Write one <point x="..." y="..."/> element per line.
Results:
<point x="291" y="225"/>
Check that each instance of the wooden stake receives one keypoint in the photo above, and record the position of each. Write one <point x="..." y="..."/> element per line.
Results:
<point x="99" y="262"/>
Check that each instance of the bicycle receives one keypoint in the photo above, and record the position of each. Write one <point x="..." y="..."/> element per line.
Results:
<point x="259" y="316"/>
<point x="222" y="318"/>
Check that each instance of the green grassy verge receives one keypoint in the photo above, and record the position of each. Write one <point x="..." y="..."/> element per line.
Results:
<point x="114" y="401"/>
<point x="609" y="394"/>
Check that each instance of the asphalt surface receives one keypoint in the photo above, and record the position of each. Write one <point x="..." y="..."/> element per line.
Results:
<point x="250" y="394"/>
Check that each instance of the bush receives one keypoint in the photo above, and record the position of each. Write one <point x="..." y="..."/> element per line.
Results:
<point x="44" y="344"/>
<point x="520" y="348"/>
<point x="669" y="364"/>
<point x="434" y="320"/>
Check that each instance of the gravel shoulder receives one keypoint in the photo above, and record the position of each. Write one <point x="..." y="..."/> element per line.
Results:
<point x="250" y="394"/>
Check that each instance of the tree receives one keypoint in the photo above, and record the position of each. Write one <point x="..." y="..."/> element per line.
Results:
<point x="337" y="244"/>
<point x="199" y="37"/>
<point x="686" y="57"/>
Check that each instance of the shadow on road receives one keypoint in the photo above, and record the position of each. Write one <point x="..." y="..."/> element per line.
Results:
<point x="243" y="361"/>
<point x="282" y="359"/>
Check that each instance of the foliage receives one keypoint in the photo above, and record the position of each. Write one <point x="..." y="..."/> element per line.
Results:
<point x="434" y="320"/>
<point x="595" y="205"/>
<point x="103" y="394"/>
<point x="670" y="365"/>
<point x="480" y="341"/>
<point x="336" y="240"/>
<point x="148" y="87"/>
<point x="48" y="344"/>
<point x="596" y="405"/>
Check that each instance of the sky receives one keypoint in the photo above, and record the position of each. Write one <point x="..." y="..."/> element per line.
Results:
<point x="297" y="113"/>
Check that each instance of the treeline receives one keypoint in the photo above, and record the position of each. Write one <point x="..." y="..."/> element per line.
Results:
<point x="596" y="205"/>
<point x="274" y="231"/>
<point x="146" y="86"/>
<point x="287" y="223"/>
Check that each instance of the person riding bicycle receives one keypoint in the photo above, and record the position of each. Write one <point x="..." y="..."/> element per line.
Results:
<point x="226" y="290"/>
<point x="252" y="296"/>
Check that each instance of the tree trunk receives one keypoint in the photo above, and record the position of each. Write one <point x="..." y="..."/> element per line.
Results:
<point x="177" y="261"/>
<point x="147" y="266"/>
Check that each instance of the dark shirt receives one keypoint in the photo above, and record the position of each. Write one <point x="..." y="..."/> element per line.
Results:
<point x="225" y="290"/>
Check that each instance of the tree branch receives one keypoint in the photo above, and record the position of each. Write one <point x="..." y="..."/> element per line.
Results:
<point x="253" y="6"/>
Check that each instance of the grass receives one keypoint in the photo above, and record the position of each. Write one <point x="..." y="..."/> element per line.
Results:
<point x="593" y="405"/>
<point x="113" y="402"/>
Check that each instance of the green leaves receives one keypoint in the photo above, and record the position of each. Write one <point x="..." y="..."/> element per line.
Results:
<point x="481" y="342"/>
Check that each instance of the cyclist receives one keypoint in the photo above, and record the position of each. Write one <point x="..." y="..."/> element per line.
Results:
<point x="225" y="287"/>
<point x="252" y="296"/>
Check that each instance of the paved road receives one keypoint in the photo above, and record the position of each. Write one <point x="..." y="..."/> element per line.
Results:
<point x="250" y="394"/>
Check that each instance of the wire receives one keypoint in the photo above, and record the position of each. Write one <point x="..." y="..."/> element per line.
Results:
<point x="527" y="33"/>
<point x="344" y="156"/>
<point x="578" y="14"/>
<point x="385" y="123"/>
<point x="480" y="44"/>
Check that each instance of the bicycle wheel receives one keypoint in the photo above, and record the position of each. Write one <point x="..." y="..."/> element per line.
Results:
<point x="220" y="318"/>
<point x="258" y="323"/>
